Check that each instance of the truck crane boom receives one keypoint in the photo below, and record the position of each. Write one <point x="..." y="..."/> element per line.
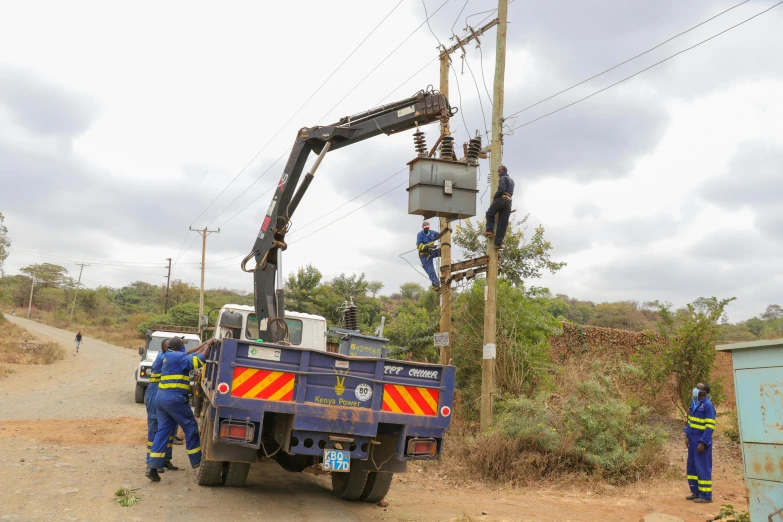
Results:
<point x="423" y="108"/>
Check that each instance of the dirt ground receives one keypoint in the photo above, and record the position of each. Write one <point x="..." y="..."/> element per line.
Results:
<point x="71" y="435"/>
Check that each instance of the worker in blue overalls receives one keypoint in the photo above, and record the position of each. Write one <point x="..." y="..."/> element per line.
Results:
<point x="173" y="407"/>
<point x="149" y="403"/>
<point x="425" y="244"/>
<point x="698" y="433"/>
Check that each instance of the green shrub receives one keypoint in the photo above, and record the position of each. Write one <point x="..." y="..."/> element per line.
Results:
<point x="587" y="425"/>
<point x="148" y="323"/>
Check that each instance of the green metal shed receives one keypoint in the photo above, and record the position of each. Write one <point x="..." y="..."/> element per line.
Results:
<point x="758" y="384"/>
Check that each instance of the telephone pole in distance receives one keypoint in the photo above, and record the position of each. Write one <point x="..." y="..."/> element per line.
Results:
<point x="168" y="283"/>
<point x="204" y="233"/>
<point x="73" y="306"/>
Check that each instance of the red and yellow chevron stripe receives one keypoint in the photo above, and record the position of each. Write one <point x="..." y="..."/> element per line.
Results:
<point x="410" y="399"/>
<point x="249" y="383"/>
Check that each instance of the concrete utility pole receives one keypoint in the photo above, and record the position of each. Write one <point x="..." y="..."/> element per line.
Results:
<point x="30" y="305"/>
<point x="82" y="265"/>
<point x="168" y="283"/>
<point x="496" y="157"/>
<point x="204" y="233"/>
<point x="445" y="241"/>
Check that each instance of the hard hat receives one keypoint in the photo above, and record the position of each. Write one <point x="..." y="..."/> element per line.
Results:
<point x="426" y="224"/>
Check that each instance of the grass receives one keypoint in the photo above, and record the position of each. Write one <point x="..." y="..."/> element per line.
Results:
<point x="18" y="346"/>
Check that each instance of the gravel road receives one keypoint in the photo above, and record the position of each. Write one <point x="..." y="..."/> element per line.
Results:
<point x="96" y="383"/>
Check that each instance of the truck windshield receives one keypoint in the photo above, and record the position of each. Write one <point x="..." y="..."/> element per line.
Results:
<point x="156" y="341"/>
<point x="294" y="329"/>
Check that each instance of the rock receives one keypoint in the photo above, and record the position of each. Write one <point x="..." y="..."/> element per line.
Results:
<point x="45" y="457"/>
<point x="383" y="503"/>
<point x="62" y="465"/>
<point x="660" y="517"/>
<point x="68" y="491"/>
<point x="484" y="513"/>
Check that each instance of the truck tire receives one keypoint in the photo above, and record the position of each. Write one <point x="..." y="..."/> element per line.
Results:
<point x="235" y="474"/>
<point x="378" y="484"/>
<point x="210" y="473"/>
<point x="349" y="486"/>
<point x="140" y="389"/>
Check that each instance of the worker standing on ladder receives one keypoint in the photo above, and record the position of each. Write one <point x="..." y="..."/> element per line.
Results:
<point x="425" y="244"/>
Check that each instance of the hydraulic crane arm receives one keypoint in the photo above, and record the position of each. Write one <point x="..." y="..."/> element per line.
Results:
<point x="423" y="108"/>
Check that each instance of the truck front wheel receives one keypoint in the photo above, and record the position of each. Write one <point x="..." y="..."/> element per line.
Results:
<point x="349" y="486"/>
<point x="140" y="389"/>
<point x="378" y="484"/>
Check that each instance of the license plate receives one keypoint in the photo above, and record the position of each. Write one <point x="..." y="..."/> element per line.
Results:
<point x="337" y="460"/>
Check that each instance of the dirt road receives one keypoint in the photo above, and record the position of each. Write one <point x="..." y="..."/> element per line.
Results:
<point x="71" y="435"/>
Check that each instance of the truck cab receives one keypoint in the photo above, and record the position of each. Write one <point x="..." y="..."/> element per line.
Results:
<point x="151" y="349"/>
<point x="239" y="322"/>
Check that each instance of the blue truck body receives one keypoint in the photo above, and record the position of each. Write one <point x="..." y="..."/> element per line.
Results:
<point x="302" y="401"/>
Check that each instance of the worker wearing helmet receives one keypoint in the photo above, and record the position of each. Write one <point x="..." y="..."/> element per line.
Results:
<point x="698" y="440"/>
<point x="172" y="404"/>
<point x="425" y="244"/>
<point x="500" y="207"/>
<point x="149" y="402"/>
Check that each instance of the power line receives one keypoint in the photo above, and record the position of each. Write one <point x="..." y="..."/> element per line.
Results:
<point x="641" y="71"/>
<point x="349" y="213"/>
<point x="386" y="58"/>
<point x="126" y="264"/>
<point x="641" y="54"/>
<point x="460" y="14"/>
<point x="298" y="110"/>
<point x="459" y="92"/>
<point x="481" y="104"/>
<point x="406" y="81"/>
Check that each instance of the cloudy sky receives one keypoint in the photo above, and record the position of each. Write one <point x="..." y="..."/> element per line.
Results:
<point x="120" y="124"/>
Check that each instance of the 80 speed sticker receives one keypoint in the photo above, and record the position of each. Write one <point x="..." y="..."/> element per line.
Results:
<point x="364" y="392"/>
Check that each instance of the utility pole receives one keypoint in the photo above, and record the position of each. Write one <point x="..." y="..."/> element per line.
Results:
<point x="168" y="283"/>
<point x="30" y="305"/>
<point x="445" y="242"/>
<point x="496" y="156"/>
<point x="81" y="265"/>
<point x="204" y="233"/>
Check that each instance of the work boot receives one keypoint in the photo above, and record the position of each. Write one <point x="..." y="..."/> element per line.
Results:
<point x="692" y="496"/>
<point x="152" y="474"/>
<point x="702" y="501"/>
<point x="436" y="288"/>
<point x="489" y="234"/>
<point x="178" y="440"/>
<point x="169" y="466"/>
<point x="196" y="466"/>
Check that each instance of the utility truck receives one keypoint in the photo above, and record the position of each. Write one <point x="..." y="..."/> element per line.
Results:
<point x="280" y="395"/>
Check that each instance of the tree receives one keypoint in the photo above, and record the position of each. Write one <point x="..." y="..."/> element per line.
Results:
<point x="301" y="289"/>
<point x="185" y="314"/>
<point x="411" y="291"/>
<point x="755" y="325"/>
<point x="48" y="275"/>
<point x="773" y="311"/>
<point x="5" y="243"/>
<point x="374" y="287"/>
<point x="689" y="352"/>
<point x="522" y="258"/>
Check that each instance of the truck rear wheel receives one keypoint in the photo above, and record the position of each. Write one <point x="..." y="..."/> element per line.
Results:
<point x="378" y="484"/>
<point x="210" y="472"/>
<point x="349" y="486"/>
<point x="235" y="474"/>
<point x="140" y="389"/>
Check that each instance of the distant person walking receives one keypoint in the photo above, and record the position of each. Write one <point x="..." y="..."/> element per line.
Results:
<point x="13" y="313"/>
<point x="78" y="341"/>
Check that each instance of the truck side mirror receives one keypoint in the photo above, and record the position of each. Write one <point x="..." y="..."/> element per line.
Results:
<point x="141" y="351"/>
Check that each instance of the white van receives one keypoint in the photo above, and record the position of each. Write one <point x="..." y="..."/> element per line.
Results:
<point x="239" y="322"/>
<point x="151" y="350"/>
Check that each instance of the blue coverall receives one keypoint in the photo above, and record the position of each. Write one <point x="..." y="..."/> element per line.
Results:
<point x="427" y="261"/>
<point x="174" y="409"/>
<point x="701" y="424"/>
<point x="500" y="207"/>
<point x="152" y="414"/>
